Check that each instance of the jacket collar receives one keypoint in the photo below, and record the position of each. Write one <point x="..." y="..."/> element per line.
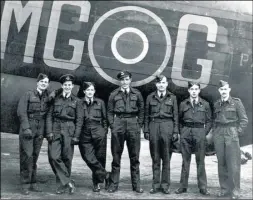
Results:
<point x="131" y="90"/>
<point x="200" y="102"/>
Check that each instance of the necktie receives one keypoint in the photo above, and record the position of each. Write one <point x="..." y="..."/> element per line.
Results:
<point x="194" y="103"/>
<point x="89" y="102"/>
<point x="161" y="96"/>
<point x="126" y="93"/>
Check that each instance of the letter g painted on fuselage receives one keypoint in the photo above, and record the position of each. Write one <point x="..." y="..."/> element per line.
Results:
<point x="78" y="45"/>
<point x="177" y="68"/>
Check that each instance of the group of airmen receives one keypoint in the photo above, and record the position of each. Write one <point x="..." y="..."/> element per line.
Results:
<point x="67" y="120"/>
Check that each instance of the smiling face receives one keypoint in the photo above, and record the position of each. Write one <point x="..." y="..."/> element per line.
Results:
<point x="194" y="91"/>
<point x="43" y="84"/>
<point x="125" y="82"/>
<point x="89" y="92"/>
<point x="225" y="91"/>
<point x="162" y="85"/>
<point x="67" y="87"/>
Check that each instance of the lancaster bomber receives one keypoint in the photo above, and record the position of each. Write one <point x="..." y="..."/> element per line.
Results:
<point x="203" y="41"/>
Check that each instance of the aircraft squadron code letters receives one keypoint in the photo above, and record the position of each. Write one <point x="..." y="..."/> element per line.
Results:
<point x="33" y="9"/>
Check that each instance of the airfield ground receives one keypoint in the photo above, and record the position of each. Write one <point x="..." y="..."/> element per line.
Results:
<point x="82" y="175"/>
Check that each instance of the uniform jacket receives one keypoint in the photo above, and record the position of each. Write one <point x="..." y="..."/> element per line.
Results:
<point x="118" y="103"/>
<point x="231" y="111"/>
<point x="165" y="108"/>
<point x="66" y="109"/>
<point x="96" y="111"/>
<point x="202" y="114"/>
<point x="31" y="105"/>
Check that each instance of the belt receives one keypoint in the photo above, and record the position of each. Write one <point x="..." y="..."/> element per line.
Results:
<point x="93" y="120"/>
<point x="36" y="116"/>
<point x="230" y="124"/>
<point x="194" y="124"/>
<point x="158" y="119"/>
<point x="62" y="120"/>
<point x="126" y="115"/>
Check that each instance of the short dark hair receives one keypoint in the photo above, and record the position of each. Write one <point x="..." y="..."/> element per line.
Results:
<point x="87" y="85"/>
<point x="83" y="87"/>
<point x="192" y="83"/>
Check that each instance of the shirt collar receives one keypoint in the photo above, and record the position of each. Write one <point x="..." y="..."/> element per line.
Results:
<point x="88" y="99"/>
<point x="227" y="99"/>
<point x="66" y="95"/>
<point x="196" y="99"/>
<point x="39" y="91"/>
<point x="159" y="93"/>
<point x="123" y="90"/>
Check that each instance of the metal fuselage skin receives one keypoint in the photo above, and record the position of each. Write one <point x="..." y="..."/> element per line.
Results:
<point x="204" y="42"/>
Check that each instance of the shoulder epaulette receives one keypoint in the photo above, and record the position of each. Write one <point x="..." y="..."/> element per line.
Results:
<point x="237" y="99"/>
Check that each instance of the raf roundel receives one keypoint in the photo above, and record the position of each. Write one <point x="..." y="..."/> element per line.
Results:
<point x="118" y="42"/>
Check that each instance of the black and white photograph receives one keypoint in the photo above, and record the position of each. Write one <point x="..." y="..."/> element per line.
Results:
<point x="126" y="99"/>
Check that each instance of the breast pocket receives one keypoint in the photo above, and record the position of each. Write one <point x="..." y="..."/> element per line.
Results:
<point x="217" y="113"/>
<point x="230" y="113"/>
<point x="168" y="107"/>
<point x="186" y="112"/>
<point x="34" y="105"/>
<point x="153" y="106"/>
<point x="201" y="113"/>
<point x="97" y="111"/>
<point x="71" y="110"/>
<point x="133" y="102"/>
<point x="119" y="104"/>
<point x="57" y="108"/>
<point x="45" y="105"/>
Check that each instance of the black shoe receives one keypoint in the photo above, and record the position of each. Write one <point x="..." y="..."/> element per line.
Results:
<point x="138" y="190"/>
<point x="96" y="188"/>
<point x="71" y="186"/>
<point x="35" y="188"/>
<point x="248" y="155"/>
<point x="166" y="190"/>
<point x="112" y="188"/>
<point x="153" y="191"/>
<point x="181" y="190"/>
<point x="61" y="189"/>
<point x="204" y="192"/>
<point x="25" y="191"/>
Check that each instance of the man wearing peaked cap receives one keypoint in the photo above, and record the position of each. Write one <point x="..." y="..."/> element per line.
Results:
<point x="66" y="77"/>
<point x="230" y="120"/>
<point x="195" y="119"/>
<point x="161" y="129"/>
<point x="64" y="122"/>
<point x="125" y="116"/>
<point x="32" y="109"/>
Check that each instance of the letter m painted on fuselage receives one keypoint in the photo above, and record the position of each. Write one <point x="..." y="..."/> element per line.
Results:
<point x="33" y="8"/>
